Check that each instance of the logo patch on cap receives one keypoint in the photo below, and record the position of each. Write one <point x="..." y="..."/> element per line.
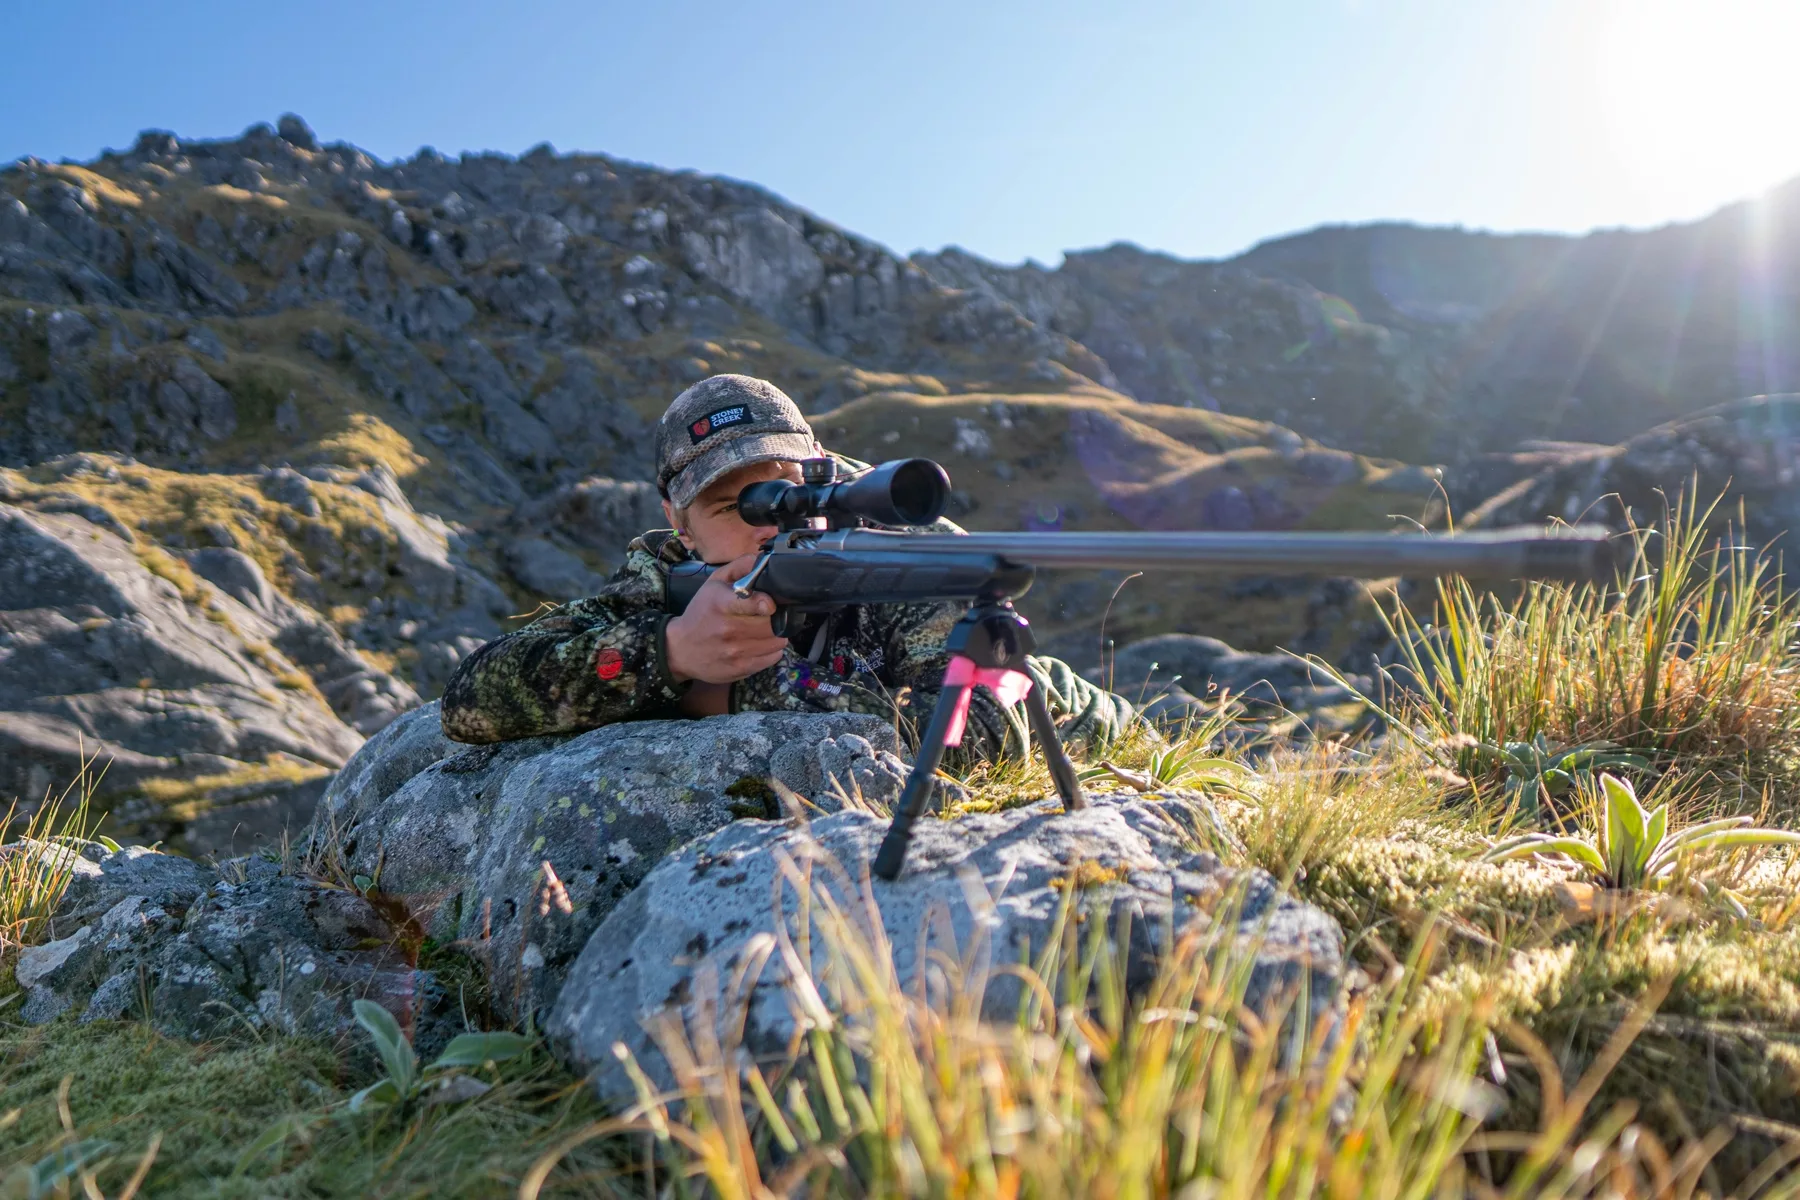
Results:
<point x="712" y="422"/>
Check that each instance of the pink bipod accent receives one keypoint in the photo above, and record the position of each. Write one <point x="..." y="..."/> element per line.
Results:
<point x="1008" y="686"/>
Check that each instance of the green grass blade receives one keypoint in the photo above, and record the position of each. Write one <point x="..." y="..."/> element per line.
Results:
<point x="473" y="1049"/>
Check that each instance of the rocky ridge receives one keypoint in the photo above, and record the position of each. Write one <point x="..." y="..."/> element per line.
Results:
<point x="1437" y="344"/>
<point x="382" y="408"/>
<point x="594" y="882"/>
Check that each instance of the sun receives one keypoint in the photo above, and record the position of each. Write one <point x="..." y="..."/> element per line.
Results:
<point x="1698" y="95"/>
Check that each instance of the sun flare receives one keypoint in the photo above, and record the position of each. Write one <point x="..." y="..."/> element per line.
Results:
<point x="1700" y="91"/>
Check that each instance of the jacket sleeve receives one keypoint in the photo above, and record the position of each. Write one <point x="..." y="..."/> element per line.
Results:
<point x="585" y="664"/>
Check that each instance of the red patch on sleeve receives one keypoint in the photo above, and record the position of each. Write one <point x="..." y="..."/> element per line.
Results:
<point x="608" y="663"/>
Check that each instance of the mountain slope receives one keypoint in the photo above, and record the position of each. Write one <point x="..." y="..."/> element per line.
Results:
<point x="398" y="406"/>
<point x="1440" y="344"/>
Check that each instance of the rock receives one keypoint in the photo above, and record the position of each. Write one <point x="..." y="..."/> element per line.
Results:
<point x="463" y="841"/>
<point x="549" y="570"/>
<point x="519" y="435"/>
<point x="708" y="912"/>
<point x="758" y="255"/>
<point x="323" y="344"/>
<point x="278" y="814"/>
<point x="361" y="695"/>
<point x="1205" y="665"/>
<point x="67" y="332"/>
<point x="215" y="411"/>
<point x="99" y="880"/>
<point x="201" y="954"/>
<point x="596" y="514"/>
<point x="236" y="574"/>
<point x="202" y="340"/>
<point x="296" y="132"/>
<point x="400" y="751"/>
<point x="99" y="656"/>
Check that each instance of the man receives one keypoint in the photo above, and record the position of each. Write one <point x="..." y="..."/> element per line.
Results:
<point x="621" y="656"/>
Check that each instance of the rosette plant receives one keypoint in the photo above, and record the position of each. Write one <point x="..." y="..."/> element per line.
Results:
<point x="1633" y="848"/>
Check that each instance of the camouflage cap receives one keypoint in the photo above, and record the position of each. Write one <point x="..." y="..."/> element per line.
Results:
<point x="725" y="422"/>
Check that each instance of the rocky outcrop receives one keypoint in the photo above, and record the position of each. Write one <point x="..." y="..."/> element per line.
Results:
<point x="179" y="662"/>
<point x="1745" y="454"/>
<point x="1438" y="345"/>
<point x="520" y="849"/>
<point x="101" y="655"/>
<point x="203" y="953"/>
<point x="984" y="890"/>
<point x="1181" y="675"/>
<point x="592" y="882"/>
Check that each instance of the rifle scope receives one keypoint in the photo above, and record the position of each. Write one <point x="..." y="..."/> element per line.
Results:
<point x="906" y="491"/>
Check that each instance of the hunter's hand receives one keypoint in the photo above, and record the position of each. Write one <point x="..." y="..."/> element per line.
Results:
<point x="720" y="638"/>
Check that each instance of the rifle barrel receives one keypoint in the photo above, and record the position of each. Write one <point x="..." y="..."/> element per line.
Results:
<point x="1575" y="553"/>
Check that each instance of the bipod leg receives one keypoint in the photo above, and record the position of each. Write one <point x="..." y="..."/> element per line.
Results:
<point x="917" y="794"/>
<point x="1043" y="731"/>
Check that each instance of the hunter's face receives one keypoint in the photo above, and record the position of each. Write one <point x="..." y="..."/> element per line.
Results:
<point x="711" y="527"/>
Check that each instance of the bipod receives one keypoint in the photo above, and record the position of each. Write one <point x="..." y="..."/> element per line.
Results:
<point x="987" y="646"/>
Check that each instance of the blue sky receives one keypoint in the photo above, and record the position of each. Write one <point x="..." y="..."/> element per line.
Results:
<point x="1013" y="129"/>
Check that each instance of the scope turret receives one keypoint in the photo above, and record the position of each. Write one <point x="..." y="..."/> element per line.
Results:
<point x="906" y="491"/>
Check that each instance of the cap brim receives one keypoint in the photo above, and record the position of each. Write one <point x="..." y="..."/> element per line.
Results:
<point x="727" y="457"/>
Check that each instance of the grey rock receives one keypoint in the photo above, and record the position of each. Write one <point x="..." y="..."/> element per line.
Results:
<point x="465" y="839"/>
<point x="68" y="333"/>
<point x="99" y="880"/>
<point x="202" y="340"/>
<point x="320" y="343"/>
<point x="99" y="655"/>
<point x="596" y="514"/>
<point x="400" y="751"/>
<point x="296" y="132"/>
<point x="519" y="435"/>
<point x="201" y="954"/>
<point x="214" y="410"/>
<point x="398" y="371"/>
<point x="275" y="815"/>
<point x="1200" y="666"/>
<point x="362" y="696"/>
<point x="436" y="313"/>
<point x="236" y="574"/>
<point x="759" y="255"/>
<point x="710" y="911"/>
<point x="549" y="570"/>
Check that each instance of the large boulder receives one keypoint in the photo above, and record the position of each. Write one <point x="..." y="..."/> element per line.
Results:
<point x="465" y="840"/>
<point x="991" y="886"/>
<point x="103" y="657"/>
<point x="201" y="953"/>
<point x="1178" y="678"/>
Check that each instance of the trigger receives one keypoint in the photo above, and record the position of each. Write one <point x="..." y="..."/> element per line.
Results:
<point x="778" y="624"/>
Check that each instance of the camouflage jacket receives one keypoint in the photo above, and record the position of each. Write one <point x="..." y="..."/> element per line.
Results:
<point x="603" y="659"/>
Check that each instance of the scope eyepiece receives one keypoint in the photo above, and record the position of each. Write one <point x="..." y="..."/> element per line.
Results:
<point x="906" y="491"/>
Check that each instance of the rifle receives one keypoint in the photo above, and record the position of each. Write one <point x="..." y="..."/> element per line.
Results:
<point x="824" y="556"/>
